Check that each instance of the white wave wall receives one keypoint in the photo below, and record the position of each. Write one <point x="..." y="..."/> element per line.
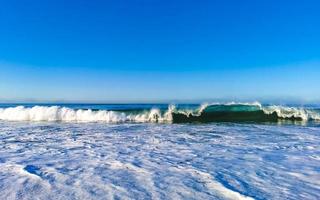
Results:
<point x="56" y="113"/>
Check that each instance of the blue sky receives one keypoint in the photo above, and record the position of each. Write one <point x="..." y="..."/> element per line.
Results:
<point x="152" y="50"/>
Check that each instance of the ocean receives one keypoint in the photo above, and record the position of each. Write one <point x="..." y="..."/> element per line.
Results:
<point x="159" y="151"/>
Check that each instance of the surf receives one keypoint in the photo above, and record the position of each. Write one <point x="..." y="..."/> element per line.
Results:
<point x="245" y="112"/>
<point x="215" y="112"/>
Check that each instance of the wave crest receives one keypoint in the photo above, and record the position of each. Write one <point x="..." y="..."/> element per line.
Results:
<point x="56" y="113"/>
<point x="229" y="112"/>
<point x="246" y="112"/>
<point x="292" y="113"/>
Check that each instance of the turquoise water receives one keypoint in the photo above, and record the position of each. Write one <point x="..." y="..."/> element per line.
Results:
<point x="71" y="153"/>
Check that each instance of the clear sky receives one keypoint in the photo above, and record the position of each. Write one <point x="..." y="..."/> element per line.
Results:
<point x="157" y="50"/>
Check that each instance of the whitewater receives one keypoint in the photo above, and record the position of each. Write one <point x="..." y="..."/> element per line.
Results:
<point x="159" y="151"/>
<point x="55" y="113"/>
<point x="152" y="114"/>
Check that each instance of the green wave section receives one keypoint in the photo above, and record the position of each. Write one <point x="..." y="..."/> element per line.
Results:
<point x="232" y="108"/>
<point x="231" y="113"/>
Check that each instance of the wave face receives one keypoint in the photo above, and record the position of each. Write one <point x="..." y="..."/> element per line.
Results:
<point x="245" y="112"/>
<point x="230" y="112"/>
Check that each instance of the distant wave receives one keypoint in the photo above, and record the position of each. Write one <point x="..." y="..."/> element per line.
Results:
<point x="229" y="112"/>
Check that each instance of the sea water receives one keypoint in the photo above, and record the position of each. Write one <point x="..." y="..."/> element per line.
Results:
<point x="96" y="155"/>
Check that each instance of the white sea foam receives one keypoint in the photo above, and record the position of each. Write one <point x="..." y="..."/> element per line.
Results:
<point x="150" y="161"/>
<point x="213" y="185"/>
<point x="56" y="113"/>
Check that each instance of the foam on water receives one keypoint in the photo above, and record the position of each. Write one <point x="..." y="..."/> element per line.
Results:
<point x="56" y="113"/>
<point x="48" y="160"/>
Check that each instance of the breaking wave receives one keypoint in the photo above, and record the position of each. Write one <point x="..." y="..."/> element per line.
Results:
<point x="229" y="112"/>
<point x="247" y="112"/>
<point x="56" y="113"/>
